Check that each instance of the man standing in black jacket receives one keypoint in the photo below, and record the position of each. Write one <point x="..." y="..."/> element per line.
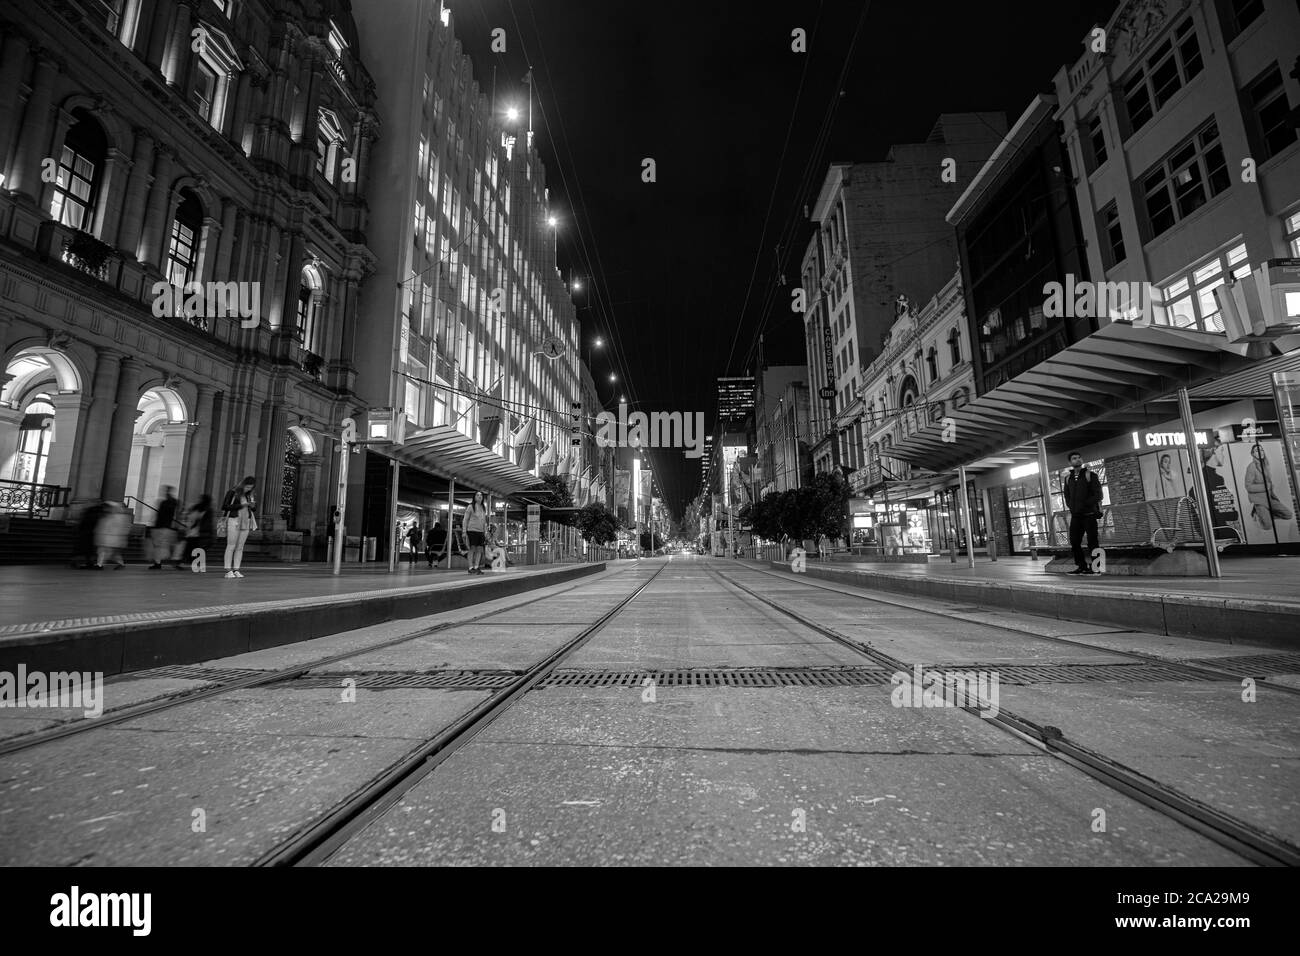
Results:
<point x="163" y="532"/>
<point x="1083" y="498"/>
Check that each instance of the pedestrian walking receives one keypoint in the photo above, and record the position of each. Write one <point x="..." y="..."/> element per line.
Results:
<point x="85" y="539"/>
<point x="199" y="530"/>
<point x="111" y="533"/>
<point x="1083" y="498"/>
<point x="162" y="536"/>
<point x="436" y="544"/>
<point x="475" y="529"/>
<point x="415" y="536"/>
<point x="238" y="509"/>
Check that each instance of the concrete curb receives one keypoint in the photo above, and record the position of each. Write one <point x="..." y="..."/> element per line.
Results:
<point x="145" y="641"/>
<point x="1231" y="620"/>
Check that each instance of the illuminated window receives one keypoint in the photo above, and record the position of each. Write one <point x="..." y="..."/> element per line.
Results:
<point x="73" y="202"/>
<point x="183" y="253"/>
<point x="1292" y="227"/>
<point x="1188" y="300"/>
<point x="1185" y="179"/>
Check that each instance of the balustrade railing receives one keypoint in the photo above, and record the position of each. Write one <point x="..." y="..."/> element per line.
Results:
<point x="31" y="499"/>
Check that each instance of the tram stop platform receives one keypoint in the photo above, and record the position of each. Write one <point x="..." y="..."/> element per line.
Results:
<point x="116" y="621"/>
<point x="1256" y="601"/>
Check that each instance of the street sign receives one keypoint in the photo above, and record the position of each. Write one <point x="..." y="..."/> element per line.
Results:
<point x="826" y="392"/>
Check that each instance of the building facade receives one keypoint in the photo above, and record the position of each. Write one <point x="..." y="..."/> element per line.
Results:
<point x="922" y="374"/>
<point x="1179" y="162"/>
<point x="472" y="328"/>
<point x="182" y="245"/>
<point x="880" y="233"/>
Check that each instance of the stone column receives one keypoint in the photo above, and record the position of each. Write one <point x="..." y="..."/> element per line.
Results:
<point x="34" y="139"/>
<point x="239" y="116"/>
<point x="154" y="235"/>
<point x="221" y="270"/>
<point x="89" y="477"/>
<point x="118" y="459"/>
<point x="137" y="189"/>
<point x="13" y="66"/>
<point x="159" y="33"/>
<point x="117" y="167"/>
<point x="177" y="64"/>
<point x="196" y="481"/>
<point x="207" y="255"/>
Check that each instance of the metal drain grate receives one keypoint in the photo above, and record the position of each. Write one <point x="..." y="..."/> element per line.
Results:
<point x="400" y="680"/>
<point x="1253" y="665"/>
<point x="216" y="675"/>
<point x="724" y="677"/>
<point x="1081" y="673"/>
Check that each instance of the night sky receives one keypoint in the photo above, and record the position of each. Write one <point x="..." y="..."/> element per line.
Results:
<point x="679" y="275"/>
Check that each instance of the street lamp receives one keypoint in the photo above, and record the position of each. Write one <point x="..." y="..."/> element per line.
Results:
<point x="512" y="114"/>
<point x="551" y="221"/>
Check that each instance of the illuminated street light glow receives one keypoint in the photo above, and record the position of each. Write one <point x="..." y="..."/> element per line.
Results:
<point x="550" y="221"/>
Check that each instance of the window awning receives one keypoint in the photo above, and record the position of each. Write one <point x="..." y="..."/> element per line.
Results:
<point x="445" y="452"/>
<point x="1102" y="378"/>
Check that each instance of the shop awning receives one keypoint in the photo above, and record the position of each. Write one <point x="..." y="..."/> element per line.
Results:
<point x="446" y="452"/>
<point x="1106" y="378"/>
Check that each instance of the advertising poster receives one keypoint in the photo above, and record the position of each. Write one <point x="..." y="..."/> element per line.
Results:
<point x="1267" y="511"/>
<point x="1164" y="473"/>
<point x="1221" y="485"/>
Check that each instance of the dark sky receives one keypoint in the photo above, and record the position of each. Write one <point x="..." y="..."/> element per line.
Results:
<point x="679" y="274"/>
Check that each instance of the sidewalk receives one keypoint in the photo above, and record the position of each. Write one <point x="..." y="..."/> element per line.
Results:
<point x="1257" y="601"/>
<point x="118" y="621"/>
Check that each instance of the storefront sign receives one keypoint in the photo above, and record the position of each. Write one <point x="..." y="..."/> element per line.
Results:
<point x="1165" y="439"/>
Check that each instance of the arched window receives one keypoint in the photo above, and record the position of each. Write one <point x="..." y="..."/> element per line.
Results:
<point x="81" y="164"/>
<point x="35" y="434"/>
<point x="908" y="394"/>
<point x="954" y="347"/>
<point x="183" y="252"/>
<point x="932" y="364"/>
<point x="309" y="307"/>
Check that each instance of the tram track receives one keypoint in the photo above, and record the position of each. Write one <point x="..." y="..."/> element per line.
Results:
<point x="74" y="728"/>
<point x="315" y="844"/>
<point x="1203" y="670"/>
<point x="1239" y="836"/>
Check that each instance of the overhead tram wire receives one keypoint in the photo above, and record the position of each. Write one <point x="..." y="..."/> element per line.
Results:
<point x="595" y="268"/>
<point x="771" y="199"/>
<point x="808" y="180"/>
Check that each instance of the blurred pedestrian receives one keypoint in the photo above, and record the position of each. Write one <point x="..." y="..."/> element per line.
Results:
<point x="238" y="509"/>
<point x="436" y="544"/>
<point x="111" y="532"/>
<point x="162" y="536"/>
<point x="85" y="539"/>
<point x="199" y="530"/>
<point x="415" y="536"/>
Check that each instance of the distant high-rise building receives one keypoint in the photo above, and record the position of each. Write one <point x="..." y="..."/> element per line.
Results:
<point x="735" y="399"/>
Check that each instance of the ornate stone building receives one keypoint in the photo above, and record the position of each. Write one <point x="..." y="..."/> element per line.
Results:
<point x="145" y="146"/>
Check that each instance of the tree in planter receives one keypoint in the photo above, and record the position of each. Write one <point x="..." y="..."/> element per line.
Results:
<point x="597" y="524"/>
<point x="557" y="486"/>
